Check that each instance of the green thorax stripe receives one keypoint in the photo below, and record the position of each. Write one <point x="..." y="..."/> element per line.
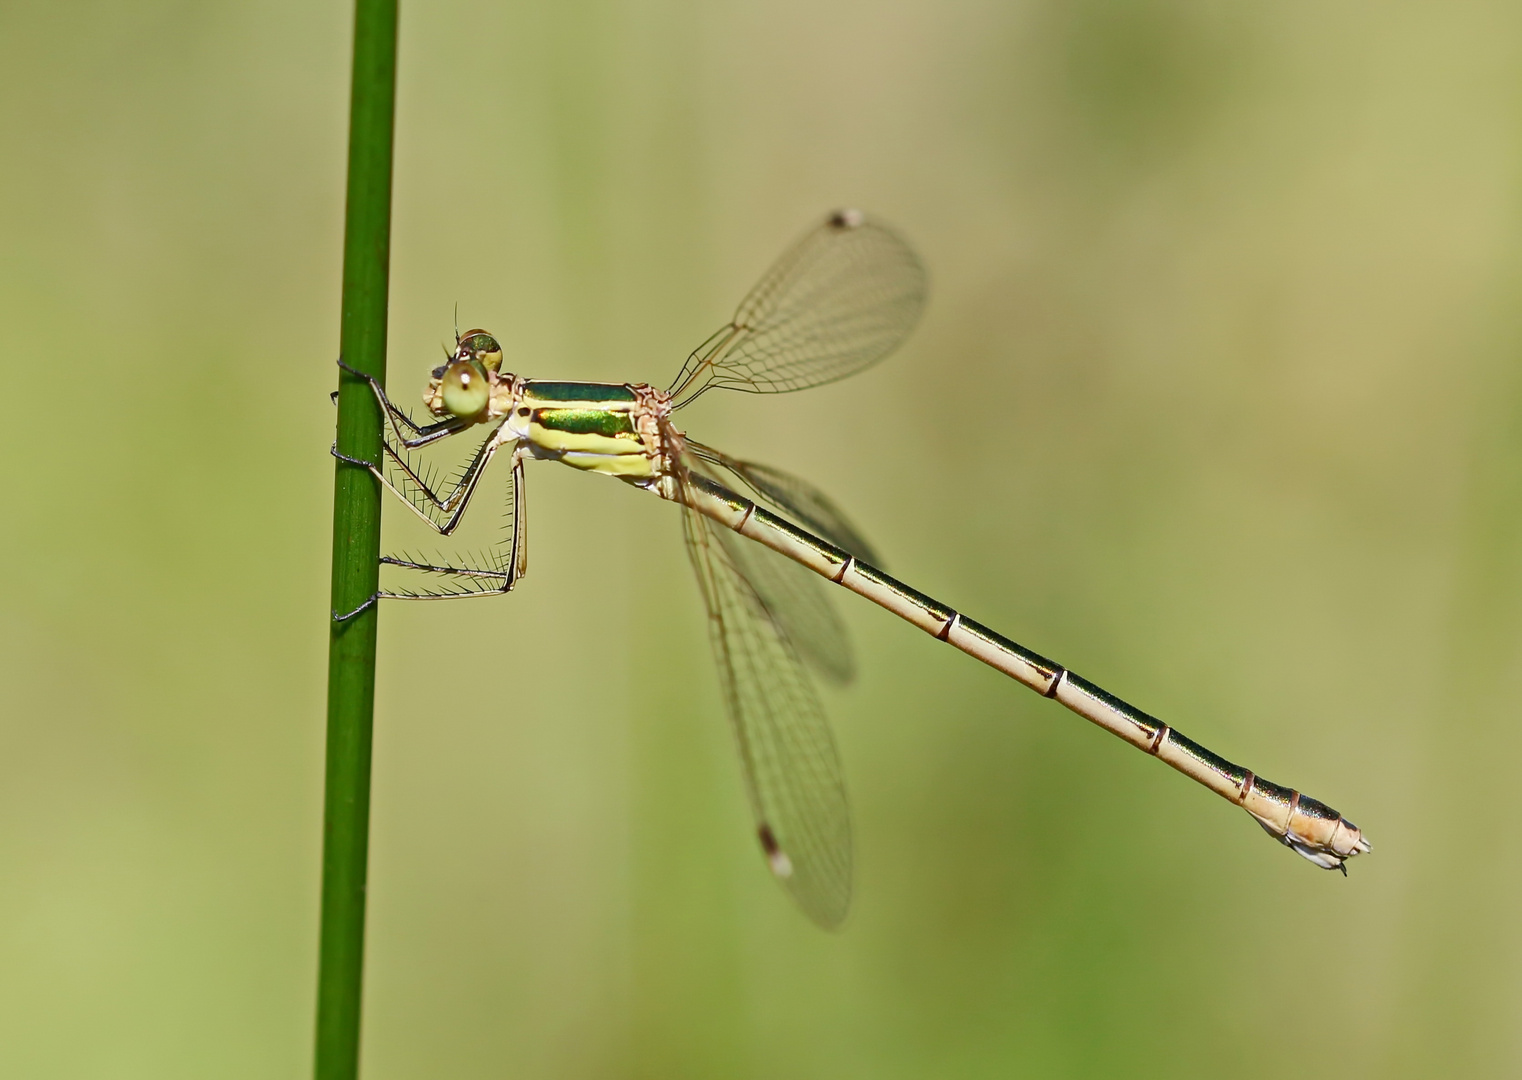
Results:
<point x="577" y="391"/>
<point x="607" y="422"/>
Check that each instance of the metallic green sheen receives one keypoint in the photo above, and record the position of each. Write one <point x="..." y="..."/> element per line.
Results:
<point x="928" y="604"/>
<point x="1047" y="668"/>
<point x="1211" y="760"/>
<point x="607" y="422"/>
<point x="1149" y="724"/>
<point x="577" y="391"/>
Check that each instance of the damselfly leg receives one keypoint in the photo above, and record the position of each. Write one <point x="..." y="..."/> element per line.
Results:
<point x="492" y="570"/>
<point x="397" y="418"/>
<point x="416" y="483"/>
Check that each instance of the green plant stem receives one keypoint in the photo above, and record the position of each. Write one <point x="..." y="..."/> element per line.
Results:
<point x="356" y="543"/>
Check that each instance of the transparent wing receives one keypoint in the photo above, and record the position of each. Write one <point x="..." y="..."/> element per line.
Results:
<point x="797" y="602"/>
<point x="792" y="772"/>
<point x="795" y="596"/>
<point x="796" y="498"/>
<point x="839" y="300"/>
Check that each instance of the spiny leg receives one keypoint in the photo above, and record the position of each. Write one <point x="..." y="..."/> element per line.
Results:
<point x="423" y="500"/>
<point x="492" y="575"/>
<point x="478" y="582"/>
<point x="464" y="484"/>
<point x="520" y="519"/>
<point x="422" y="435"/>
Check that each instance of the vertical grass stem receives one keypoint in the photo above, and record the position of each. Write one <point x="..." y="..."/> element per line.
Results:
<point x="356" y="543"/>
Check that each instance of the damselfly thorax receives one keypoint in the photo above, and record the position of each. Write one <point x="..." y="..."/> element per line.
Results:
<point x="841" y="299"/>
<point x="622" y="430"/>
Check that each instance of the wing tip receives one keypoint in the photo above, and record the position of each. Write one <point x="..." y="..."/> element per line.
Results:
<point x="828" y="910"/>
<point x="776" y="858"/>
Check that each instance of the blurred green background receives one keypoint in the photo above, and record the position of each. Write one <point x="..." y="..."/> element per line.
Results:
<point x="1218" y="400"/>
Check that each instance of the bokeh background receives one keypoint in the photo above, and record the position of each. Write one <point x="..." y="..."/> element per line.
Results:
<point x="1218" y="401"/>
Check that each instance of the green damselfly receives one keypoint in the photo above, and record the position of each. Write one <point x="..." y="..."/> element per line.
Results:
<point x="842" y="298"/>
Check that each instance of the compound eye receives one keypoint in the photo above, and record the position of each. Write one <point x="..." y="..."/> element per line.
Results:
<point x="481" y="347"/>
<point x="465" y="389"/>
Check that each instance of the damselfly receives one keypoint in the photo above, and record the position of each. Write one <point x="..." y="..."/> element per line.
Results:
<point x="840" y="299"/>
